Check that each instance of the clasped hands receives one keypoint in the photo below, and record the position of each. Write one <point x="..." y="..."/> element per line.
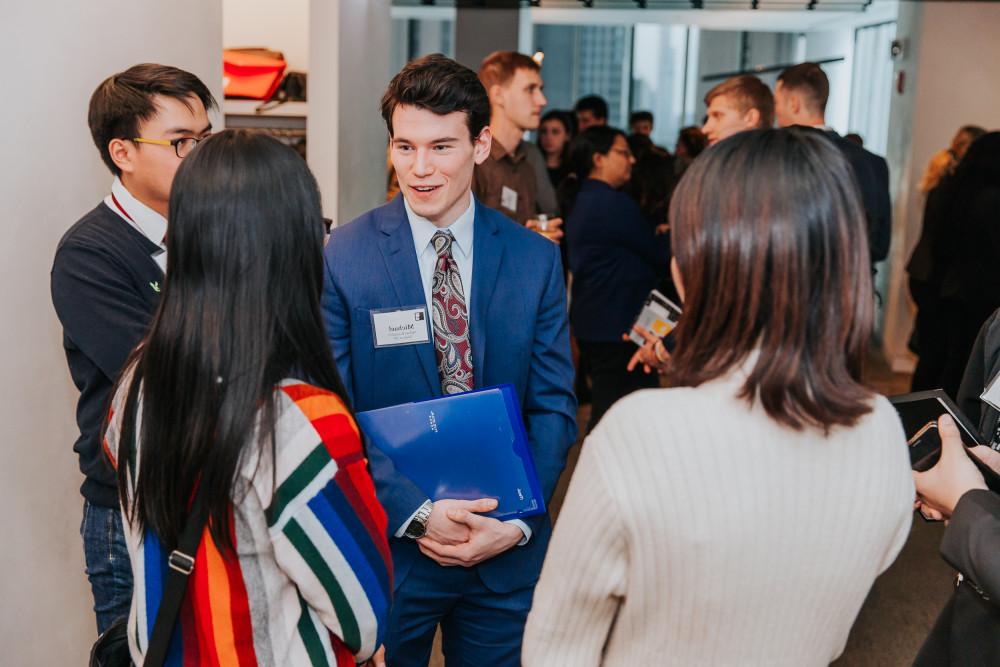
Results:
<point x="458" y="535"/>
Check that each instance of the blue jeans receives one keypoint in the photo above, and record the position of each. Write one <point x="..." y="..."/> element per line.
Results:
<point x="108" y="566"/>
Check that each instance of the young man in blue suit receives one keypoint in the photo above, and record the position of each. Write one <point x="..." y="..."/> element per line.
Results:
<point x="493" y="295"/>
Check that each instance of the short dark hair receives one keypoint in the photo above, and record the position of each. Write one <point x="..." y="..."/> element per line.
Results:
<point x="595" y="104"/>
<point x="809" y="80"/>
<point x="499" y="67"/>
<point x="442" y="86"/>
<point x="748" y="92"/>
<point x="639" y="116"/>
<point x="595" y="139"/>
<point x="124" y="100"/>
<point x="770" y="238"/>
<point x="693" y="140"/>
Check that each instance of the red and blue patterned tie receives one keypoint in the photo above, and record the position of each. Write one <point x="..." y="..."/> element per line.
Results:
<point x="450" y="315"/>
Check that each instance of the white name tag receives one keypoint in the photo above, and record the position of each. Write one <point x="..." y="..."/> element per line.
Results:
<point x="400" y="326"/>
<point x="508" y="199"/>
<point x="992" y="393"/>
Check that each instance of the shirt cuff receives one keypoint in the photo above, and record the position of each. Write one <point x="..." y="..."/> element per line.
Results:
<point x="402" y="529"/>
<point x="524" y="529"/>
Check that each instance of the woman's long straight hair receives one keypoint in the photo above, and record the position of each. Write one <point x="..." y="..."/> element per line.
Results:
<point x="772" y="246"/>
<point x="239" y="312"/>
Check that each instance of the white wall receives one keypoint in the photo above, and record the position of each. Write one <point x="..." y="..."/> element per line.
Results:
<point x="950" y="81"/>
<point x="350" y="70"/>
<point x="282" y="26"/>
<point x="57" y="53"/>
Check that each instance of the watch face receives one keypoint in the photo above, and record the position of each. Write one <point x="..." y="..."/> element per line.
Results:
<point x="416" y="529"/>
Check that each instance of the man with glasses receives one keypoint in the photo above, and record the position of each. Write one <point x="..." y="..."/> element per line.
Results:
<point x="106" y="280"/>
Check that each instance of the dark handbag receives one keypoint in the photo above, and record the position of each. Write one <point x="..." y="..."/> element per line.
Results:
<point x="111" y="648"/>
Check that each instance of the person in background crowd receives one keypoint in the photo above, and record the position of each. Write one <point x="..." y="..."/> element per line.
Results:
<point x="555" y="133"/>
<point x="929" y="340"/>
<point x="970" y="282"/>
<point x="945" y="161"/>
<point x="508" y="181"/>
<point x="590" y="110"/>
<point x="293" y="566"/>
<point x="493" y="295"/>
<point x="652" y="179"/>
<point x="107" y="276"/>
<point x="651" y="184"/>
<point x="855" y="138"/>
<point x="691" y="141"/>
<point x="800" y="98"/>
<point x="967" y="632"/>
<point x="640" y="122"/>
<point x="737" y="104"/>
<point x="741" y="516"/>
<point x="615" y="257"/>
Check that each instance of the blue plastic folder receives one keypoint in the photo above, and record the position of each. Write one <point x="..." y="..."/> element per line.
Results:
<point x="463" y="446"/>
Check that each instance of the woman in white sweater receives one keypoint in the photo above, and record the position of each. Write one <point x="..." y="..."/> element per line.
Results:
<point x="741" y="516"/>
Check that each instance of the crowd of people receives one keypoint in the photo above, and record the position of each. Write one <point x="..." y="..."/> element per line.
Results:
<point x="235" y="514"/>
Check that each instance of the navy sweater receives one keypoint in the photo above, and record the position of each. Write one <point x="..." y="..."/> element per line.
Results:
<point x="105" y="287"/>
<point x="616" y="259"/>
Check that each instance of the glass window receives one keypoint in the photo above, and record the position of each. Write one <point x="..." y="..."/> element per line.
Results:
<point x="659" y="64"/>
<point x="586" y="60"/>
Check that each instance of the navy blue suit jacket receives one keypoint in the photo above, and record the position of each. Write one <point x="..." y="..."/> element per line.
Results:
<point x="519" y="334"/>
<point x="616" y="258"/>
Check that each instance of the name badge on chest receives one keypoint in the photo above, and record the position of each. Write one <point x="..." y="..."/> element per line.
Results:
<point x="400" y="326"/>
<point x="508" y="199"/>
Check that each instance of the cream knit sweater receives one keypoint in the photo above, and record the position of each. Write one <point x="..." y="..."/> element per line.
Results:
<point x="697" y="531"/>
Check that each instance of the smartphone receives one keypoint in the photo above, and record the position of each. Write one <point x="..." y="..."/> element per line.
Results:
<point x="925" y="447"/>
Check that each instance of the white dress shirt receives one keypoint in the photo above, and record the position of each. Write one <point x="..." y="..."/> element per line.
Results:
<point x="148" y="222"/>
<point x="463" y="232"/>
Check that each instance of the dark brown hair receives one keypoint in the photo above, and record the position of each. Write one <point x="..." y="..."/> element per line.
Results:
<point x="442" y="86"/>
<point x="747" y="92"/>
<point x="771" y="243"/>
<point x="809" y="80"/>
<point x="124" y="100"/>
<point x="498" y="68"/>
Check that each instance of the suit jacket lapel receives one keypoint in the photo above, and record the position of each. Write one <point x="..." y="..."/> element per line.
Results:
<point x="487" y="252"/>
<point x="396" y="244"/>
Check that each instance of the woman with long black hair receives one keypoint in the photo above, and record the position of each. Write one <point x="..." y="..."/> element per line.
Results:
<point x="240" y="398"/>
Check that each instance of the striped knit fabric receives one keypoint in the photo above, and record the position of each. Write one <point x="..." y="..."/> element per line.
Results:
<point x="312" y="580"/>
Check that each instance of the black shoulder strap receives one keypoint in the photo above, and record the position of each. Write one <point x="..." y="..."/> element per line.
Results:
<point x="181" y="559"/>
<point x="181" y="562"/>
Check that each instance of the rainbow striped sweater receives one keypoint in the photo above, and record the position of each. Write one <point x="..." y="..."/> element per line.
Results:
<point x="311" y="582"/>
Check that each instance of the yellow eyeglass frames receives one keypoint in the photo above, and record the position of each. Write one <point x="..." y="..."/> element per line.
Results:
<point x="182" y="146"/>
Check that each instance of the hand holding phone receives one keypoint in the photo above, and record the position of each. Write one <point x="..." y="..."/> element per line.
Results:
<point x="944" y="472"/>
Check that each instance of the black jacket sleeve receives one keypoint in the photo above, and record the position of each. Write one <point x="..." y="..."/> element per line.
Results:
<point x="971" y="542"/>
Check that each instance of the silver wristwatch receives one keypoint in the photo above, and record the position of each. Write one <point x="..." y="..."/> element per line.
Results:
<point x="418" y="524"/>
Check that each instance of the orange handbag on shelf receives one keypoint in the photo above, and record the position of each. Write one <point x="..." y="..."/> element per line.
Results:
<point x="252" y="73"/>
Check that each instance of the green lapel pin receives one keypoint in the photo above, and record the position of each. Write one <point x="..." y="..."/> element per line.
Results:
<point x="155" y="285"/>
